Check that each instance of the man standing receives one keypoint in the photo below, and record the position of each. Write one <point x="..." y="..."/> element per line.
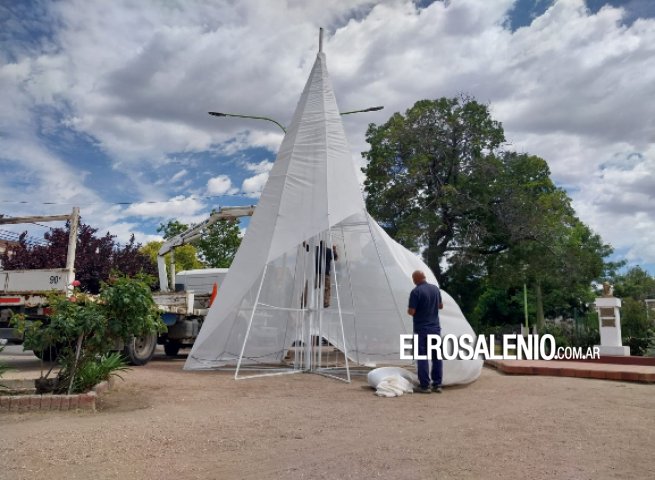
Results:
<point x="325" y="256"/>
<point x="424" y="305"/>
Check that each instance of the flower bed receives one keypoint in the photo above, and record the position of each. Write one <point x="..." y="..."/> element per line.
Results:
<point x="19" y="397"/>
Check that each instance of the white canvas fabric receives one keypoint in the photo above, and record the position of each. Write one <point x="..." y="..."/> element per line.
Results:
<point x="392" y="381"/>
<point x="270" y="298"/>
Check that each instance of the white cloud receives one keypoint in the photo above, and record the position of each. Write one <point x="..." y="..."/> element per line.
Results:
<point x="221" y="185"/>
<point x="137" y="80"/>
<point x="124" y="230"/>
<point x="268" y="140"/>
<point x="251" y="139"/>
<point x="262" y="167"/>
<point x="179" y="207"/>
<point x="618" y="201"/>
<point x="253" y="186"/>
<point x="179" y="175"/>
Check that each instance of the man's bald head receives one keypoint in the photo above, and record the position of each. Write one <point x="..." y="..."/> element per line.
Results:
<point x="418" y="277"/>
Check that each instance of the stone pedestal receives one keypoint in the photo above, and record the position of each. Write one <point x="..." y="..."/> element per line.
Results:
<point x="609" y="319"/>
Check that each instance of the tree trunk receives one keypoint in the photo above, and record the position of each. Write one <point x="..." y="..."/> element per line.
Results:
<point x="432" y="256"/>
<point x="77" y="357"/>
<point x="540" y="306"/>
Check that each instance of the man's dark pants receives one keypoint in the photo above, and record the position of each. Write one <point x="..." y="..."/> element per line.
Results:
<point x="423" y="366"/>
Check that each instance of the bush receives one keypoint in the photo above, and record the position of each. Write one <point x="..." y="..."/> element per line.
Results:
<point x="91" y="373"/>
<point x="641" y="346"/>
<point x="562" y="335"/>
<point x="586" y="338"/>
<point x="86" y="329"/>
<point x="130" y="309"/>
<point x="568" y="336"/>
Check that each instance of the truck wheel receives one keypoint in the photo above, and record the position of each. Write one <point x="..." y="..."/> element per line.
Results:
<point x="172" y="348"/>
<point x="140" y="350"/>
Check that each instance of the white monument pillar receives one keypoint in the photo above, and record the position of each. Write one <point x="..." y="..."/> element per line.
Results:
<point x="609" y="318"/>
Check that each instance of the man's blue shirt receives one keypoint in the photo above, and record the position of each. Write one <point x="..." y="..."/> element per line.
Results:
<point x="425" y="300"/>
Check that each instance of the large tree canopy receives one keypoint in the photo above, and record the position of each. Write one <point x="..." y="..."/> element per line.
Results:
<point x="96" y="258"/>
<point x="428" y="175"/>
<point x="486" y="220"/>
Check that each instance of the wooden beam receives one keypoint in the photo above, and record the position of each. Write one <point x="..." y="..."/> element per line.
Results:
<point x="72" y="243"/>
<point x="50" y="218"/>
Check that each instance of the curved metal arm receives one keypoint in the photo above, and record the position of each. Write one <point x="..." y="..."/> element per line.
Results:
<point x="221" y="114"/>
<point x="254" y="117"/>
<point x="370" y="109"/>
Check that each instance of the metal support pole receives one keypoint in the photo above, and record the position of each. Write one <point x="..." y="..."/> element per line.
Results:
<point x="525" y="306"/>
<point x="72" y="243"/>
<point x="252" y="315"/>
<point x="173" y="270"/>
<point x="336" y="291"/>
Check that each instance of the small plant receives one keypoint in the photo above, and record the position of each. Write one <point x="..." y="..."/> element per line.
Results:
<point x="94" y="372"/>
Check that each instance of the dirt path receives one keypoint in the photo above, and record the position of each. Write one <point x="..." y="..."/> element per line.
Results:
<point x="163" y="423"/>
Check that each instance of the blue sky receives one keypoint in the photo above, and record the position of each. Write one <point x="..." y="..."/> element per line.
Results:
<point x="103" y="104"/>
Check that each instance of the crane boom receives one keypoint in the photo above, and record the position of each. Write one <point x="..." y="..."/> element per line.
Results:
<point x="192" y="234"/>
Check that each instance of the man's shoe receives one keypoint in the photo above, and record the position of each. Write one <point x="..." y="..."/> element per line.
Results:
<point x="422" y="390"/>
<point x="437" y="389"/>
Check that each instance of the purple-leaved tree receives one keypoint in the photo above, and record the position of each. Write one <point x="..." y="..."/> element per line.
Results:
<point x="96" y="258"/>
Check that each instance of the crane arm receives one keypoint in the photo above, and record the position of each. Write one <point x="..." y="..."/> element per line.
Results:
<point x="194" y="233"/>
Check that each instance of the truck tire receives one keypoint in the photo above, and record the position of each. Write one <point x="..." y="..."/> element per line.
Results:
<point x="140" y="350"/>
<point x="172" y="348"/>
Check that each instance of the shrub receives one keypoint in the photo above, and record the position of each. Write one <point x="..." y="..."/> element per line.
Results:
<point x="567" y="335"/>
<point x="91" y="373"/>
<point x="85" y="329"/>
<point x="561" y="334"/>
<point x="641" y="346"/>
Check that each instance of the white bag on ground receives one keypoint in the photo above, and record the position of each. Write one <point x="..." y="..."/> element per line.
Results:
<point x="392" y="381"/>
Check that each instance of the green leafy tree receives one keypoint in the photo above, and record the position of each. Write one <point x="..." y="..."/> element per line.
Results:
<point x="634" y="318"/>
<point x="637" y="322"/>
<point x="549" y="248"/>
<point x="487" y="220"/>
<point x="171" y="228"/>
<point x="96" y="256"/>
<point x="186" y="256"/>
<point x="427" y="176"/>
<point x="216" y="247"/>
<point x="220" y="243"/>
<point x="635" y="283"/>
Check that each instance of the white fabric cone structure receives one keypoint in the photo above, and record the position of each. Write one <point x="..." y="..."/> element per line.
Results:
<point x="272" y="299"/>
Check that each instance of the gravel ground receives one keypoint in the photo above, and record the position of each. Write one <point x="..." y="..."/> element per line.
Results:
<point x="163" y="423"/>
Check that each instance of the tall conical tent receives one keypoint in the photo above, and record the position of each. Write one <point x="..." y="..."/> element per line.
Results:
<point x="274" y="298"/>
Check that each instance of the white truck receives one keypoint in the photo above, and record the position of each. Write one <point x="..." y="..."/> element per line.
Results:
<point x="184" y="298"/>
<point x="26" y="291"/>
